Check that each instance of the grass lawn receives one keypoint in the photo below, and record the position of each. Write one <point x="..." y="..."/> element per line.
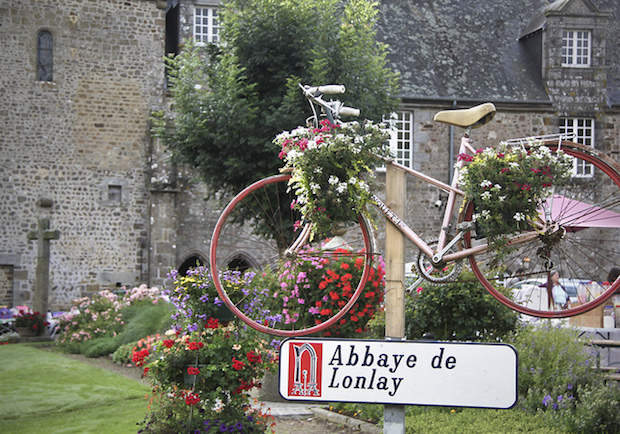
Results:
<point x="45" y="392"/>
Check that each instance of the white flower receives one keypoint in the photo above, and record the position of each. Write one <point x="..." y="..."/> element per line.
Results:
<point x="486" y="183"/>
<point x="502" y="198"/>
<point x="497" y="187"/>
<point x="333" y="180"/>
<point x="486" y="195"/>
<point x="353" y="180"/>
<point x="486" y="214"/>
<point x="197" y="86"/>
<point x="519" y="217"/>
<point x="342" y="187"/>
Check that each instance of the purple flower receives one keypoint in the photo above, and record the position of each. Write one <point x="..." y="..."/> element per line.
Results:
<point x="546" y="400"/>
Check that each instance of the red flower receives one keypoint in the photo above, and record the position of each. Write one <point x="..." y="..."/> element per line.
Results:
<point x="195" y="345"/>
<point x="192" y="399"/>
<point x="323" y="284"/>
<point x="139" y="356"/>
<point x="344" y="266"/>
<point x="168" y="343"/>
<point x="465" y="157"/>
<point x="238" y="365"/>
<point x="359" y="263"/>
<point x="193" y="371"/>
<point x="213" y="323"/>
<point x="253" y="357"/>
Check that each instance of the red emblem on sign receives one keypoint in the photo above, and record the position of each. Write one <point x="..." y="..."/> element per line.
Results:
<point x="304" y="374"/>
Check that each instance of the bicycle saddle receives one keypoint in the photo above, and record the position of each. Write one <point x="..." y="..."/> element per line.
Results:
<point x="473" y="117"/>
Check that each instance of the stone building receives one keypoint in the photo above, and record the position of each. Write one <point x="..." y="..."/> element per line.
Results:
<point x="80" y="78"/>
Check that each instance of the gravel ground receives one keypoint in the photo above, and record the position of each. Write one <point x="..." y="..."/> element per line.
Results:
<point x="310" y="425"/>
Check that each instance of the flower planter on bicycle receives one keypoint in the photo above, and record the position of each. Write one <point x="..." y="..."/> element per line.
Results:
<point x="279" y="227"/>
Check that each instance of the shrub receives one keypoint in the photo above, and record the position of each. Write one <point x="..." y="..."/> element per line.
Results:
<point x="458" y="310"/>
<point x="553" y="362"/>
<point x="123" y="354"/>
<point x="592" y="408"/>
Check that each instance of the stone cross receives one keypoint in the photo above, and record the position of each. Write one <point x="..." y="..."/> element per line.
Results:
<point x="42" y="281"/>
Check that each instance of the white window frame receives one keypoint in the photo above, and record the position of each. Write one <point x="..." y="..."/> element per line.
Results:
<point x="401" y="137"/>
<point x="206" y="24"/>
<point x="576" y="48"/>
<point x="584" y="129"/>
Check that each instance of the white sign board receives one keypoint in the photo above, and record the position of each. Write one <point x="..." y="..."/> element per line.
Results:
<point x="399" y="372"/>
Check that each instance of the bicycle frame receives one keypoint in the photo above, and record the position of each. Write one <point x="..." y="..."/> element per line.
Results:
<point x="441" y="255"/>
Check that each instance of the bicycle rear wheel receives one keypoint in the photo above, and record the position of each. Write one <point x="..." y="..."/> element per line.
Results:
<point x="275" y="277"/>
<point x="582" y="246"/>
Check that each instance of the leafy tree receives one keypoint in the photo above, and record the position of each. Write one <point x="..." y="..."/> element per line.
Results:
<point x="231" y="99"/>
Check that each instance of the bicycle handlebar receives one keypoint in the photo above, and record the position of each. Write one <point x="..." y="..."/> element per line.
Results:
<point x="329" y="89"/>
<point x="336" y="109"/>
<point x="348" y="111"/>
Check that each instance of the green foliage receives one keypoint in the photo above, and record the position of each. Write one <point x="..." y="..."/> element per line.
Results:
<point x="458" y="310"/>
<point x="440" y="420"/>
<point x="232" y="99"/>
<point x="553" y="362"/>
<point x="372" y="413"/>
<point x="123" y="354"/>
<point x="591" y="409"/>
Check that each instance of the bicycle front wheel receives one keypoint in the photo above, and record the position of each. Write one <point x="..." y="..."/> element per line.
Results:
<point x="580" y="242"/>
<point x="274" y="274"/>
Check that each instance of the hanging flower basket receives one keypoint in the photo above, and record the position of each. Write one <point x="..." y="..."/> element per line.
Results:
<point x="333" y="169"/>
<point x="508" y="184"/>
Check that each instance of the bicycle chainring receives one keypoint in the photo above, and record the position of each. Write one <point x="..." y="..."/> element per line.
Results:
<point x="448" y="272"/>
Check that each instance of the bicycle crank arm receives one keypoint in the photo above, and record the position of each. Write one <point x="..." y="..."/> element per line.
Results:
<point x="437" y="257"/>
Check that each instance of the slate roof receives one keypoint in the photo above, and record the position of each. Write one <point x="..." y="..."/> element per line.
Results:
<point x="470" y="49"/>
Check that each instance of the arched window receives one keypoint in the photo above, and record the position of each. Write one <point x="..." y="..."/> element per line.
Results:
<point x="45" y="56"/>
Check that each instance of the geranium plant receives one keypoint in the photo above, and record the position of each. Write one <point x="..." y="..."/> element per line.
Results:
<point x="332" y="169"/>
<point x="327" y="285"/>
<point x="508" y="184"/>
<point x="34" y="322"/>
<point x="202" y="377"/>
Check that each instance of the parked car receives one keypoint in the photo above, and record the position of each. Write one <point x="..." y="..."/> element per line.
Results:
<point x="570" y="285"/>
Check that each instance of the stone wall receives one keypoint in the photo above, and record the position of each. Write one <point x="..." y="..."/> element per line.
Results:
<point x="81" y="140"/>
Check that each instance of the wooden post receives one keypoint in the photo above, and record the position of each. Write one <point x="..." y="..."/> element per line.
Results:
<point x="394" y="415"/>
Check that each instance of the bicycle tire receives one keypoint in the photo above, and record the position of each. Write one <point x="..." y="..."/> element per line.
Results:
<point x="584" y="248"/>
<point x="256" y="227"/>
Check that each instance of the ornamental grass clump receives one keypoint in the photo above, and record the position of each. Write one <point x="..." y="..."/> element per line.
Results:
<point x="333" y="169"/>
<point x="508" y="185"/>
